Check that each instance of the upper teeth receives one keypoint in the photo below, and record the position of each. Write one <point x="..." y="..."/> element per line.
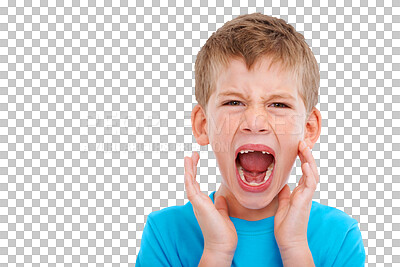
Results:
<point x="247" y="151"/>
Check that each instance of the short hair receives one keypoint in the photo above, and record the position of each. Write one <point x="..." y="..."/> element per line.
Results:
<point x="251" y="37"/>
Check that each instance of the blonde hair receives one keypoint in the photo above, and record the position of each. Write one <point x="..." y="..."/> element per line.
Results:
<point x="251" y="37"/>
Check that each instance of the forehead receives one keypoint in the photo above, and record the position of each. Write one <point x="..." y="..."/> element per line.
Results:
<point x="264" y="75"/>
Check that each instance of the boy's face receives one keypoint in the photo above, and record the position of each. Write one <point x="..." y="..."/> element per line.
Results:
<point x="266" y="109"/>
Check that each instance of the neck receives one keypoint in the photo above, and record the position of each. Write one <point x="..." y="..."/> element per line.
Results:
<point x="236" y="210"/>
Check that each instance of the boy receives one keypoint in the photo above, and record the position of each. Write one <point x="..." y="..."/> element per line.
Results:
<point x="257" y="87"/>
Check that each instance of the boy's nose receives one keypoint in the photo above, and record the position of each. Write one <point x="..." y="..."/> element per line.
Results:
<point x="255" y="122"/>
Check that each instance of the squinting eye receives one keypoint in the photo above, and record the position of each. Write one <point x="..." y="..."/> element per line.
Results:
<point x="284" y="105"/>
<point x="234" y="101"/>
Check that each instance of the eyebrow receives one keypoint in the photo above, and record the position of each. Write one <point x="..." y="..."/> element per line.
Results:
<point x="272" y="96"/>
<point x="231" y="93"/>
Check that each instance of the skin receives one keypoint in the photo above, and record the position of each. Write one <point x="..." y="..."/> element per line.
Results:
<point x="255" y="117"/>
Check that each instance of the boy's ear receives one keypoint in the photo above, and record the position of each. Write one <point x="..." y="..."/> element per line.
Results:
<point x="199" y="125"/>
<point x="312" y="127"/>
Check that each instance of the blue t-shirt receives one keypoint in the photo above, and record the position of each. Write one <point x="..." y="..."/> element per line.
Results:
<point x="173" y="237"/>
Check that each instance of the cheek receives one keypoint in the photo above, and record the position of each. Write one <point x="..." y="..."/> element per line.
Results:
<point x="289" y="132"/>
<point x="290" y="140"/>
<point x="289" y="125"/>
<point x="221" y="130"/>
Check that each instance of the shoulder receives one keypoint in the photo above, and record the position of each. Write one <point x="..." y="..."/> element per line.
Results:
<point x="171" y="214"/>
<point x="334" y="237"/>
<point x="175" y="216"/>
<point x="330" y="216"/>
<point x="157" y="243"/>
<point x="174" y="235"/>
<point x="330" y="222"/>
<point x="173" y="221"/>
<point x="176" y="221"/>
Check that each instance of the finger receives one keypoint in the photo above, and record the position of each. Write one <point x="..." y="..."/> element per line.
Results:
<point x="309" y="180"/>
<point x="201" y="203"/>
<point x="192" y="188"/>
<point x="306" y="156"/>
<point x="301" y="181"/>
<point x="313" y="165"/>
<point x="195" y="159"/>
<point x="299" y="151"/>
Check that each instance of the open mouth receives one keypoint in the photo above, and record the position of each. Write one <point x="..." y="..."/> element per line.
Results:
<point x="255" y="165"/>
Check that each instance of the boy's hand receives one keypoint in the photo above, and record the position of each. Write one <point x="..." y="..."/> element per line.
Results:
<point x="220" y="238"/>
<point x="291" y="218"/>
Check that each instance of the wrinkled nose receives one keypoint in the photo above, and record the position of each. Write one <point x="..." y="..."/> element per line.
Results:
<point x="255" y="121"/>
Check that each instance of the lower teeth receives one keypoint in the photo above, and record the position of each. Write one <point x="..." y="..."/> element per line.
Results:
<point x="267" y="174"/>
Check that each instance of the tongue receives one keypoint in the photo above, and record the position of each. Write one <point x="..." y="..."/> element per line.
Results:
<point x="255" y="162"/>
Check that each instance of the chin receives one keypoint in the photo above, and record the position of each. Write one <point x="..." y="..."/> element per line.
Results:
<point x="255" y="206"/>
<point x="255" y="203"/>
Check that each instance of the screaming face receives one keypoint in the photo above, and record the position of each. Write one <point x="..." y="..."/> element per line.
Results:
<point x="254" y="122"/>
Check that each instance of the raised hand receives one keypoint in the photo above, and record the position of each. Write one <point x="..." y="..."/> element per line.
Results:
<point x="291" y="218"/>
<point x="220" y="238"/>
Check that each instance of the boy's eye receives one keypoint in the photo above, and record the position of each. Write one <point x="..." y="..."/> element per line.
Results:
<point x="279" y="105"/>
<point x="233" y="103"/>
<point x="237" y="103"/>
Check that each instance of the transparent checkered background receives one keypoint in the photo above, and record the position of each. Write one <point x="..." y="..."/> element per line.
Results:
<point x="95" y="110"/>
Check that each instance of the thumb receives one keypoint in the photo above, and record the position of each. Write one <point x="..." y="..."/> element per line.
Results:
<point x="221" y="206"/>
